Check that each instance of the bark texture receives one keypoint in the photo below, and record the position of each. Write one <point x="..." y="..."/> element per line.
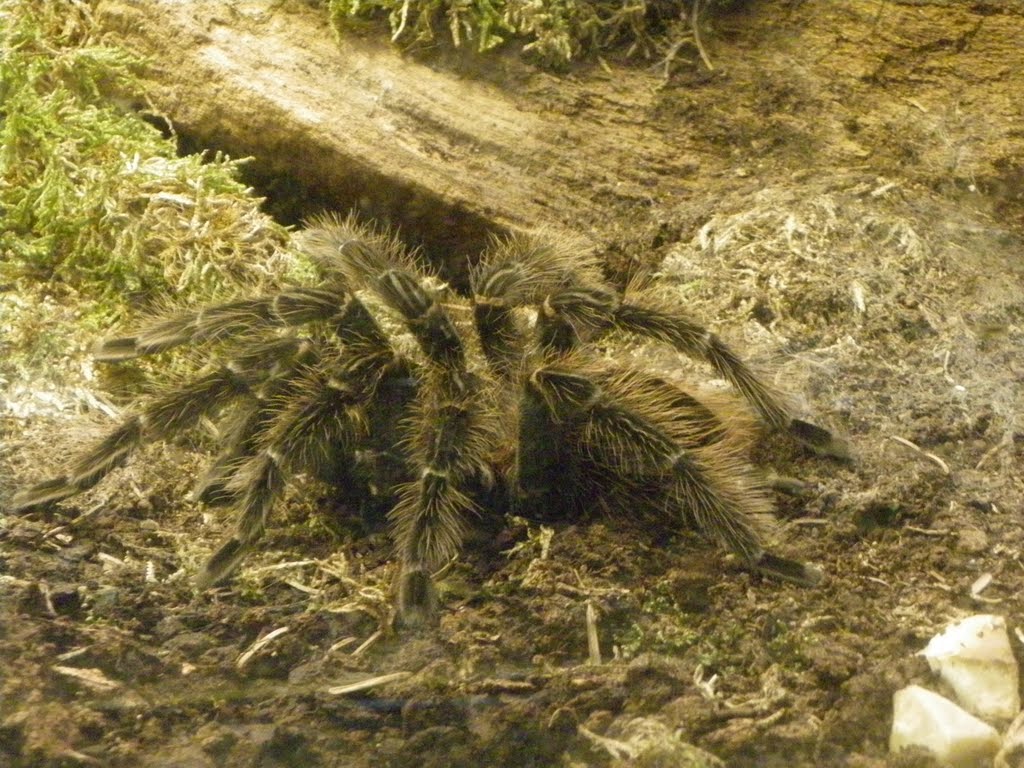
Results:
<point x="604" y="152"/>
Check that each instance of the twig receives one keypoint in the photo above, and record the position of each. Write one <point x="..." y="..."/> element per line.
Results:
<point x="619" y="750"/>
<point x="370" y="682"/>
<point x="79" y="757"/>
<point x="980" y="585"/>
<point x="44" y="592"/>
<point x="705" y="687"/>
<point x="94" y="678"/>
<point x="280" y="566"/>
<point x="694" y="13"/>
<point x="343" y="643"/>
<point x="930" y="456"/>
<point x="492" y="686"/>
<point x="368" y="642"/>
<point x="1005" y="442"/>
<point x="302" y="587"/>
<point x="593" y="646"/>
<point x="259" y="645"/>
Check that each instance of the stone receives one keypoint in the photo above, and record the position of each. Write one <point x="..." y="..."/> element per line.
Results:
<point x="925" y="719"/>
<point x="974" y="658"/>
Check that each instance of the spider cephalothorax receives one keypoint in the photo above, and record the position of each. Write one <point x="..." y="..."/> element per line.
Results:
<point x="497" y="406"/>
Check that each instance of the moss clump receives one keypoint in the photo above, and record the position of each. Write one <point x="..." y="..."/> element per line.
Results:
<point x="98" y="214"/>
<point x="662" y="627"/>
<point x="556" y="31"/>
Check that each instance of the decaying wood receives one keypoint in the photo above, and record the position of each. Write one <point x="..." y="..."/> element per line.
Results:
<point x="449" y="157"/>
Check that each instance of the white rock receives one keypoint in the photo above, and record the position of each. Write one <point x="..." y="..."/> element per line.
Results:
<point x="1011" y="755"/>
<point x="925" y="719"/>
<point x="975" y="659"/>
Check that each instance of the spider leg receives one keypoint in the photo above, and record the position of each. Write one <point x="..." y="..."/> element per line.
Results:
<point x="633" y="437"/>
<point x="162" y="418"/>
<point x="574" y="301"/>
<point x="322" y="414"/>
<point x="450" y="435"/>
<point x="516" y="272"/>
<point x="367" y="354"/>
<point x="694" y="340"/>
<point x="293" y="307"/>
<point x="450" y="438"/>
<point x="567" y="312"/>
<point x="380" y="263"/>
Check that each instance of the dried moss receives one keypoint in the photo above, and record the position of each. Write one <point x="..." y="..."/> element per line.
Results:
<point x="99" y="216"/>
<point x="554" y="31"/>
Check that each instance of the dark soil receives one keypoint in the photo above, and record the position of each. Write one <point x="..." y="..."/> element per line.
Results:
<point x="853" y="221"/>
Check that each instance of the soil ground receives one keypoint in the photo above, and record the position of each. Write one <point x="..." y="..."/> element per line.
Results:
<point x="853" y="222"/>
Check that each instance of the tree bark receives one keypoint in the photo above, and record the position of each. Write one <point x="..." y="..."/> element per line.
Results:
<point x="449" y="158"/>
<point x="610" y="155"/>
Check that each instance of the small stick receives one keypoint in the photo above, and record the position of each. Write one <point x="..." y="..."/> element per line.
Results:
<point x="593" y="646"/>
<point x="302" y="587"/>
<point x="259" y="645"/>
<point x="980" y="584"/>
<point x="1004" y="442"/>
<point x="493" y="685"/>
<point x="280" y="566"/>
<point x="367" y="643"/>
<point x="370" y="682"/>
<point x="930" y="456"/>
<point x="619" y="750"/>
<point x="694" y="13"/>
<point x="110" y="560"/>
<point x="81" y="757"/>
<point x="74" y="652"/>
<point x="344" y="642"/>
<point x="44" y="592"/>
<point x="94" y="678"/>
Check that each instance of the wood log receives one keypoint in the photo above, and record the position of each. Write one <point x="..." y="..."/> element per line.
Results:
<point x="448" y="157"/>
<point x="610" y="154"/>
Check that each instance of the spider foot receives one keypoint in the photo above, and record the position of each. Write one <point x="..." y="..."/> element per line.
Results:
<point x="791" y="486"/>
<point x="788" y="570"/>
<point x="820" y="440"/>
<point x="43" y="493"/>
<point x="417" y="598"/>
<point x="222" y="563"/>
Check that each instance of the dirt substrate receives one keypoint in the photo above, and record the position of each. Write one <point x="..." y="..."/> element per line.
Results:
<point x="855" y="228"/>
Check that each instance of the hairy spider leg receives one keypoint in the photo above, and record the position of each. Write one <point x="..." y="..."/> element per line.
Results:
<point x="449" y="439"/>
<point x="323" y="413"/>
<point x="186" y="406"/>
<point x="521" y="271"/>
<point x="450" y="435"/>
<point x="692" y="339"/>
<point x="571" y="304"/>
<point x="288" y="309"/>
<point x="722" y="497"/>
<point x="313" y="423"/>
<point x="367" y="355"/>
<point x="162" y="418"/>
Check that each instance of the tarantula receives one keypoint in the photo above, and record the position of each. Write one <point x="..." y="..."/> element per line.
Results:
<point x="517" y="416"/>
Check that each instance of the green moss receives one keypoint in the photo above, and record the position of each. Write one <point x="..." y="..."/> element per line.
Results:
<point x="663" y="627"/>
<point x="555" y="31"/>
<point x="98" y="213"/>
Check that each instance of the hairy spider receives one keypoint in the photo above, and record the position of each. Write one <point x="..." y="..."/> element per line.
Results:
<point x="515" y="416"/>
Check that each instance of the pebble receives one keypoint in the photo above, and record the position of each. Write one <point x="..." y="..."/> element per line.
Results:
<point x="973" y="541"/>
